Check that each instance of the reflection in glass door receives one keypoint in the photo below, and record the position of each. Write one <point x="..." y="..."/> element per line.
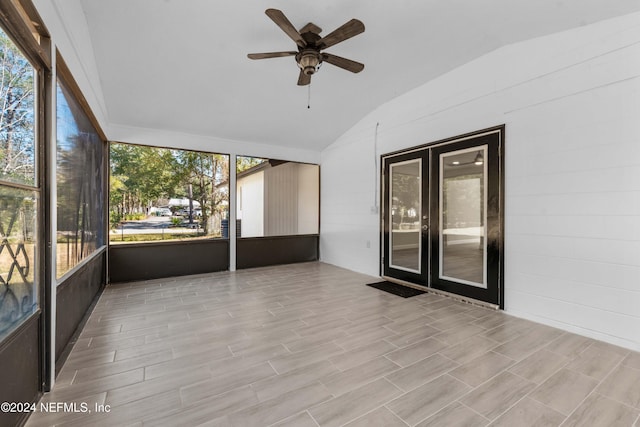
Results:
<point x="405" y="206"/>
<point x="462" y="247"/>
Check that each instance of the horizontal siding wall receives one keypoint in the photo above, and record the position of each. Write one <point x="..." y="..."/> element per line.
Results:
<point x="571" y="106"/>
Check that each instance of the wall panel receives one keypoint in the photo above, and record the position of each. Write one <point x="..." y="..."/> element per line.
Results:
<point x="264" y="251"/>
<point x="75" y="294"/>
<point x="133" y="262"/>
<point x="19" y="365"/>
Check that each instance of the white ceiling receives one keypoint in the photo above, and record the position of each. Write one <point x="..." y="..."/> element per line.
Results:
<point x="181" y="65"/>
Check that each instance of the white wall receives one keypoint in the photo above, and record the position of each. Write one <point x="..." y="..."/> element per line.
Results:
<point x="251" y="204"/>
<point x="571" y="105"/>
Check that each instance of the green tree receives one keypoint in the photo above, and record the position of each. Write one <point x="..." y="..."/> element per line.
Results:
<point x="406" y="195"/>
<point x="207" y="174"/>
<point x="141" y="176"/>
<point x="243" y="163"/>
<point x="17" y="135"/>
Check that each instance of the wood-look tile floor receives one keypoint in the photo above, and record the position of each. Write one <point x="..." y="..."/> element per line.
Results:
<point x="311" y="345"/>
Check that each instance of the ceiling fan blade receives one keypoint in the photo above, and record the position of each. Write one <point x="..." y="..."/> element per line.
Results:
<point x="348" y="30"/>
<point x="281" y="21"/>
<point x="304" y="79"/>
<point x="347" y="64"/>
<point x="270" y="55"/>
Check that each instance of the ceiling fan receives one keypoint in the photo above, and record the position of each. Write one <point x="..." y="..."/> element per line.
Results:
<point x="310" y="45"/>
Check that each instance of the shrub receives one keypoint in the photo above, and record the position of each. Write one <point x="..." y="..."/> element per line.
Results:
<point x="114" y="219"/>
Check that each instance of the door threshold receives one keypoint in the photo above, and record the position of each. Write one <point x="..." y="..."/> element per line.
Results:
<point x="443" y="293"/>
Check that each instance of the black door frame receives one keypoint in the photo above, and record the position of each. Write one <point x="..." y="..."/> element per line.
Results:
<point x="422" y="277"/>
<point x="495" y="242"/>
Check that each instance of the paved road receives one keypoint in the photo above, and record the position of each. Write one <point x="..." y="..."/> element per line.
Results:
<point x="151" y="225"/>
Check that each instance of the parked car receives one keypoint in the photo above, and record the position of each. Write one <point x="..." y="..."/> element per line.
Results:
<point x="163" y="212"/>
<point x="185" y="212"/>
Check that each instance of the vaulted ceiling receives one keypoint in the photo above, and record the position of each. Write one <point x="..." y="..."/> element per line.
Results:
<point x="181" y="65"/>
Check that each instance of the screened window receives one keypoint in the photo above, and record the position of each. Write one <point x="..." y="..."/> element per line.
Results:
<point x="277" y="198"/>
<point x="80" y="177"/>
<point x="166" y="194"/>
<point x="17" y="110"/>
<point x="19" y="192"/>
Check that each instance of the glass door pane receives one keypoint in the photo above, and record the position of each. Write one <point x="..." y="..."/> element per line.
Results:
<point x="463" y="222"/>
<point x="466" y="225"/>
<point x="18" y="257"/>
<point x="405" y="206"/>
<point x="405" y="217"/>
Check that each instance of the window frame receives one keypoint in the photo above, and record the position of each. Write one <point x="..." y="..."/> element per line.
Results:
<point x="151" y="242"/>
<point x="23" y="25"/>
<point x="41" y="73"/>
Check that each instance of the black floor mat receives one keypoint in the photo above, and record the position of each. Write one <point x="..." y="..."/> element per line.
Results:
<point x="394" y="288"/>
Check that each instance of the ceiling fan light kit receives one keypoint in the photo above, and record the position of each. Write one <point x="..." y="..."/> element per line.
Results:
<point x="310" y="44"/>
<point x="308" y="61"/>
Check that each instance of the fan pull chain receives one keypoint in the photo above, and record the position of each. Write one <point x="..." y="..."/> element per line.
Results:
<point x="309" y="96"/>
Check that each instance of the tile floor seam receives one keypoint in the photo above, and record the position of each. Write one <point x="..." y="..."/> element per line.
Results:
<point x="75" y="374"/>
<point x="390" y="343"/>
<point x="519" y="400"/>
<point x="272" y="367"/>
<point x="144" y="396"/>
<point x="454" y="361"/>
<point x="369" y="382"/>
<point x="312" y="418"/>
<point x="344" y="350"/>
<point x="362" y="415"/>
<point x="473" y="388"/>
<point x="394" y="413"/>
<point x="593" y="391"/>
<point x="288" y="418"/>
<point x="542" y="381"/>
<point x="360" y="387"/>
<point x="371" y="411"/>
<point x="506" y="369"/>
<point x="476" y="412"/>
<point x="542" y="403"/>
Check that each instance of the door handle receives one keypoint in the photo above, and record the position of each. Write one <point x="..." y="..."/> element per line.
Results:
<point x="425" y="228"/>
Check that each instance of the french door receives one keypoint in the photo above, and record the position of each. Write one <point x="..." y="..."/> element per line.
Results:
<point x="442" y="216"/>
